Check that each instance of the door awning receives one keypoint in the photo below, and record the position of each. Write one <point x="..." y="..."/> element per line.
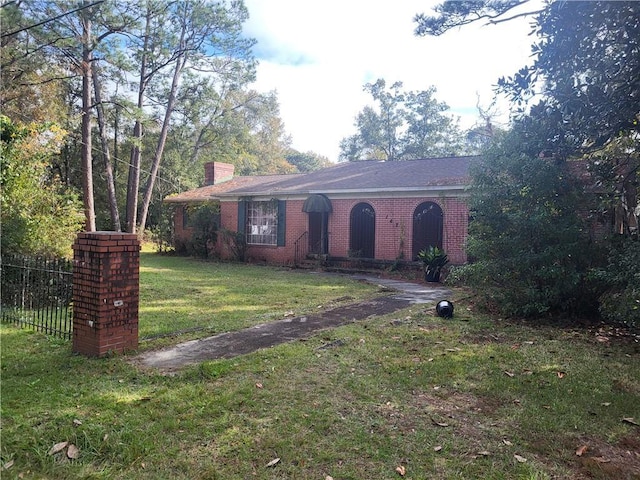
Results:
<point x="317" y="203"/>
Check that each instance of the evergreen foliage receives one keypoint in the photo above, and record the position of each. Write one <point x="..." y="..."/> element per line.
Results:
<point x="402" y="126"/>
<point x="39" y="215"/>
<point x="529" y="236"/>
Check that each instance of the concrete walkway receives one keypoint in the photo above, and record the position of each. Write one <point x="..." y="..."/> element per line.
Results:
<point x="228" y="345"/>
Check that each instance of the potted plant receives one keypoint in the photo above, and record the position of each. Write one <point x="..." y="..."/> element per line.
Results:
<point x="433" y="259"/>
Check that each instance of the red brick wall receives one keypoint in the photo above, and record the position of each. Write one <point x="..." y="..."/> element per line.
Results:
<point x="394" y="228"/>
<point x="105" y="293"/>
<point x="217" y="172"/>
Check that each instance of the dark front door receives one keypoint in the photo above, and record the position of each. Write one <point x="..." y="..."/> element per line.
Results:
<point x="362" y="232"/>
<point x="318" y="238"/>
<point x="427" y="227"/>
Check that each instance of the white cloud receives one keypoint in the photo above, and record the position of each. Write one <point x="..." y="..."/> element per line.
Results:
<point x="318" y="56"/>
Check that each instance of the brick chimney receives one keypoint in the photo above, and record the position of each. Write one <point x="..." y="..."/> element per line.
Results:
<point x="217" y="172"/>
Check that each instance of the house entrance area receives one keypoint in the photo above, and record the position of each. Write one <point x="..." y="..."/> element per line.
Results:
<point x="318" y="207"/>
<point x="427" y="227"/>
<point x="362" y="231"/>
<point x="318" y="238"/>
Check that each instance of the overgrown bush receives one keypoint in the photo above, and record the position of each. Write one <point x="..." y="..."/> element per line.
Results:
<point x="203" y="219"/>
<point x="236" y="244"/>
<point x="620" y="302"/>
<point x="529" y="240"/>
<point x="162" y="234"/>
<point x="38" y="213"/>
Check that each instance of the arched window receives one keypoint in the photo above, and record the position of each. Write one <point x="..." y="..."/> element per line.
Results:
<point x="427" y="227"/>
<point x="362" y="231"/>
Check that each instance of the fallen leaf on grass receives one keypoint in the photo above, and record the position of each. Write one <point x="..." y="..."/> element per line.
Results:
<point x="506" y="442"/>
<point x="437" y="448"/>
<point x="8" y="465"/>
<point x="600" y="459"/>
<point x="259" y="385"/>
<point x="58" y="447"/>
<point x="400" y="470"/>
<point x="581" y="450"/>
<point x="440" y="424"/>
<point x="560" y="374"/>
<point x="484" y="453"/>
<point x="630" y="421"/>
<point x="73" y="452"/>
<point x="273" y="462"/>
<point x="520" y="458"/>
<point x="77" y="422"/>
<point x="605" y="404"/>
<point x="509" y="374"/>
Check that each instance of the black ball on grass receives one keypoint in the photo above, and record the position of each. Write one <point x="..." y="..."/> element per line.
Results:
<point x="444" y="309"/>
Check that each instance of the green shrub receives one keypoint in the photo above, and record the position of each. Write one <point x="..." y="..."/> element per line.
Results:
<point x="236" y="244"/>
<point x="204" y="219"/>
<point x="531" y="249"/>
<point x="620" y="302"/>
<point x="39" y="214"/>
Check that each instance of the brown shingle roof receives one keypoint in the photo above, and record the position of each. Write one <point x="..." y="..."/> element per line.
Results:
<point x="364" y="176"/>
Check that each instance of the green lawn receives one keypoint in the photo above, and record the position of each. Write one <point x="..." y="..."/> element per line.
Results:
<point x="179" y="294"/>
<point x="410" y="393"/>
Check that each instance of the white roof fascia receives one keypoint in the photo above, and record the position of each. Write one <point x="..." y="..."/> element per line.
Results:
<point x="434" y="191"/>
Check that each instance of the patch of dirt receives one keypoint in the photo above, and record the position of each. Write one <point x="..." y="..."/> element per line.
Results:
<point x="603" y="461"/>
<point x="473" y="418"/>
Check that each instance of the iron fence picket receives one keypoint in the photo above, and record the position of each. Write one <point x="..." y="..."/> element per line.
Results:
<point x="36" y="292"/>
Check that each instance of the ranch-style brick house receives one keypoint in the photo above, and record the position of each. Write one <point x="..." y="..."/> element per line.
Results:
<point x="385" y="211"/>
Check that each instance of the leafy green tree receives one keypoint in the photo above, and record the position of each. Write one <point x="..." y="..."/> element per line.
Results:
<point x="585" y="70"/>
<point x="405" y="125"/>
<point x="29" y="91"/>
<point x="620" y="280"/>
<point x="40" y="216"/>
<point x="307" y="161"/>
<point x="531" y="245"/>
<point x="195" y="36"/>
<point x="577" y="99"/>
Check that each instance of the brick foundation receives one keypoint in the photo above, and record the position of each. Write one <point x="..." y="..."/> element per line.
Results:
<point x="105" y="293"/>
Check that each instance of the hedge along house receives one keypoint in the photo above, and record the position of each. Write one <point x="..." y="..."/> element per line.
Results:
<point x="367" y="210"/>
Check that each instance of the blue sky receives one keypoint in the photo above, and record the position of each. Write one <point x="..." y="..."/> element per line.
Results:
<point x="318" y="56"/>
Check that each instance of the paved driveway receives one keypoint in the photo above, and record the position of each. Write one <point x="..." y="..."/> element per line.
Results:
<point x="228" y="345"/>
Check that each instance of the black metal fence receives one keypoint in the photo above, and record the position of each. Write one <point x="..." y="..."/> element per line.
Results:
<point x="36" y="293"/>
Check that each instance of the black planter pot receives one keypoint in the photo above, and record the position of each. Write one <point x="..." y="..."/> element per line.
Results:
<point x="432" y="276"/>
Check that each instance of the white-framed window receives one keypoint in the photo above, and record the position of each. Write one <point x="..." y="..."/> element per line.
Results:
<point x="262" y="223"/>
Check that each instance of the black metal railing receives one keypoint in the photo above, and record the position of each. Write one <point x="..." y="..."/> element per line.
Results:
<point x="301" y="248"/>
<point x="36" y="292"/>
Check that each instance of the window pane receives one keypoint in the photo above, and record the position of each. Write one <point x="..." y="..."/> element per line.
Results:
<point x="262" y="223"/>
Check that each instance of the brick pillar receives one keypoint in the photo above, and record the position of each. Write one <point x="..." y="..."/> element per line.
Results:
<point x="105" y="293"/>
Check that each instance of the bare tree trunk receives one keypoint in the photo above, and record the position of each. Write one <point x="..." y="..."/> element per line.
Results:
<point x="108" y="167"/>
<point x="87" y="169"/>
<point x="180" y="63"/>
<point x="133" y="182"/>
